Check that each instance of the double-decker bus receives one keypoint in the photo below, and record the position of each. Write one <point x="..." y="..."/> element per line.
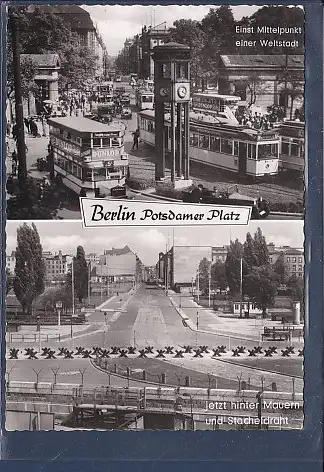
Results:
<point x="292" y="145"/>
<point x="89" y="157"/>
<point x="105" y="88"/>
<point x="215" y="104"/>
<point x="221" y="143"/>
<point x="144" y="99"/>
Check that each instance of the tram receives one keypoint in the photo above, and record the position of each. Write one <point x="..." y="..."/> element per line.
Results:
<point x="88" y="156"/>
<point x="221" y="143"/>
<point x="144" y="99"/>
<point x="292" y="145"/>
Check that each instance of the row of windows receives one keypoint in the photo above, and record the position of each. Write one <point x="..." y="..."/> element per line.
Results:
<point x="89" y="143"/>
<point x="292" y="147"/>
<point x="90" y="175"/>
<point x="288" y="259"/>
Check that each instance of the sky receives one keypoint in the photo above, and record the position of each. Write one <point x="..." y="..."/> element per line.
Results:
<point x="149" y="241"/>
<point x="116" y="22"/>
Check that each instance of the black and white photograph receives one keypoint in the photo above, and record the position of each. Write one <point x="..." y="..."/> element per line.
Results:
<point x="159" y="328"/>
<point x="192" y="103"/>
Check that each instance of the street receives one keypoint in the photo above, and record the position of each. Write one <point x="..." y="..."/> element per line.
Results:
<point x="148" y="318"/>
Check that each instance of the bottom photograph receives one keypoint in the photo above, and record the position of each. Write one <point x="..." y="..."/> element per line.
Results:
<point x="154" y="328"/>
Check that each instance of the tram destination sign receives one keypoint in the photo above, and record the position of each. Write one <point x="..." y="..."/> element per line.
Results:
<point x="101" y="212"/>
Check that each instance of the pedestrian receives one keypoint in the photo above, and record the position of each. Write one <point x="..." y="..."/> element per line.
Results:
<point x="135" y="140"/>
<point x="33" y="128"/>
<point x="44" y="125"/>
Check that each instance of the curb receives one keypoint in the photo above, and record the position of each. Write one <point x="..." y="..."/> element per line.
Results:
<point x="228" y="361"/>
<point x="186" y="319"/>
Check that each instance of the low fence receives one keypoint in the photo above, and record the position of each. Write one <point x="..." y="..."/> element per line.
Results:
<point x="34" y="338"/>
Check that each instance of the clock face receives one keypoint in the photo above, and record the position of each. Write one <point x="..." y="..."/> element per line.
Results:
<point x="164" y="92"/>
<point x="182" y="91"/>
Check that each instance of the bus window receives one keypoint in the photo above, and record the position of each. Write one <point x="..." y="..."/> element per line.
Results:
<point x="96" y="142"/>
<point x="99" y="174"/>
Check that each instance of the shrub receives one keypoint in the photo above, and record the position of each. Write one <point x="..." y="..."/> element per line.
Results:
<point x="138" y="183"/>
<point x="167" y="190"/>
<point x="287" y="207"/>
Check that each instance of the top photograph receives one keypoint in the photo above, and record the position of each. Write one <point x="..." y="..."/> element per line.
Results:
<point x="195" y="104"/>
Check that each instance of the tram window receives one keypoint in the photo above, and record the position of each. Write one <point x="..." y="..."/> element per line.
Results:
<point x="285" y="147"/>
<point x="226" y="146"/>
<point x="267" y="150"/>
<point x="194" y="139"/>
<point x="147" y="98"/>
<point x="236" y="148"/>
<point x="74" y="169"/>
<point x="204" y="141"/>
<point x="96" y="142"/>
<point x="214" y="143"/>
<point x="294" y="150"/>
<point x="252" y="151"/>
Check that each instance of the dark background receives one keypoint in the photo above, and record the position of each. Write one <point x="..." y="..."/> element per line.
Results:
<point x="295" y="451"/>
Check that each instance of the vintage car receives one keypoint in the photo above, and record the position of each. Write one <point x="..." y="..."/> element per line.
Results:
<point x="260" y="208"/>
<point x="126" y="113"/>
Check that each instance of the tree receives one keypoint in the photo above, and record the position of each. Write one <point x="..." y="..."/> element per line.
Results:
<point x="260" y="286"/>
<point x="249" y="253"/>
<point x="296" y="288"/>
<point x="29" y="268"/>
<point x="190" y="32"/>
<point x="218" y="276"/>
<point x="233" y="266"/>
<point x="9" y="281"/>
<point x="280" y="270"/>
<point x="80" y="274"/>
<point x="204" y="275"/>
<point x="219" y="27"/>
<point x="42" y="32"/>
<point x="277" y="16"/>
<point x="261" y="248"/>
<point x="255" y="87"/>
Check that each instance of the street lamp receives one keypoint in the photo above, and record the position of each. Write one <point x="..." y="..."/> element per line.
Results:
<point x="39" y="333"/>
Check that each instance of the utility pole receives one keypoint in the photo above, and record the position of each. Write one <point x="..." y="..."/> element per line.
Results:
<point x="198" y="284"/>
<point x="241" y="286"/>
<point x="89" y="282"/>
<point x="101" y="278"/>
<point x="286" y="81"/>
<point x="20" y="133"/>
<point x="73" y="302"/>
<point x="209" y="284"/>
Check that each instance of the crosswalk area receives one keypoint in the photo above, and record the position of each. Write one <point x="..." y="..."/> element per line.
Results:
<point x="198" y="352"/>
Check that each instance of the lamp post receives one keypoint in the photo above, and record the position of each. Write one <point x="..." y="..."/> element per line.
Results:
<point x="39" y="333"/>
<point x="20" y="134"/>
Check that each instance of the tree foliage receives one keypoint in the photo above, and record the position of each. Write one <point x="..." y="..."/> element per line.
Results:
<point x="29" y="268"/>
<point x="280" y="270"/>
<point x="260" y="286"/>
<point x="80" y="274"/>
<point x="46" y="32"/>
<point x="204" y="275"/>
<point x="233" y="266"/>
<point x="9" y="281"/>
<point x="218" y="276"/>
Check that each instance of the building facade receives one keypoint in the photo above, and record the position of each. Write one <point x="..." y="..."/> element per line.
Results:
<point x="265" y="76"/>
<point x="57" y="267"/>
<point x="150" y="37"/>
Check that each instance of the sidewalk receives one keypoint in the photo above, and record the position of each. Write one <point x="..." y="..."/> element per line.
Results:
<point x="210" y="322"/>
<point x="113" y="305"/>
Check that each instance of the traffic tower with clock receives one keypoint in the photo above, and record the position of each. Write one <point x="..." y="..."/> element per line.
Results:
<point x="172" y="87"/>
